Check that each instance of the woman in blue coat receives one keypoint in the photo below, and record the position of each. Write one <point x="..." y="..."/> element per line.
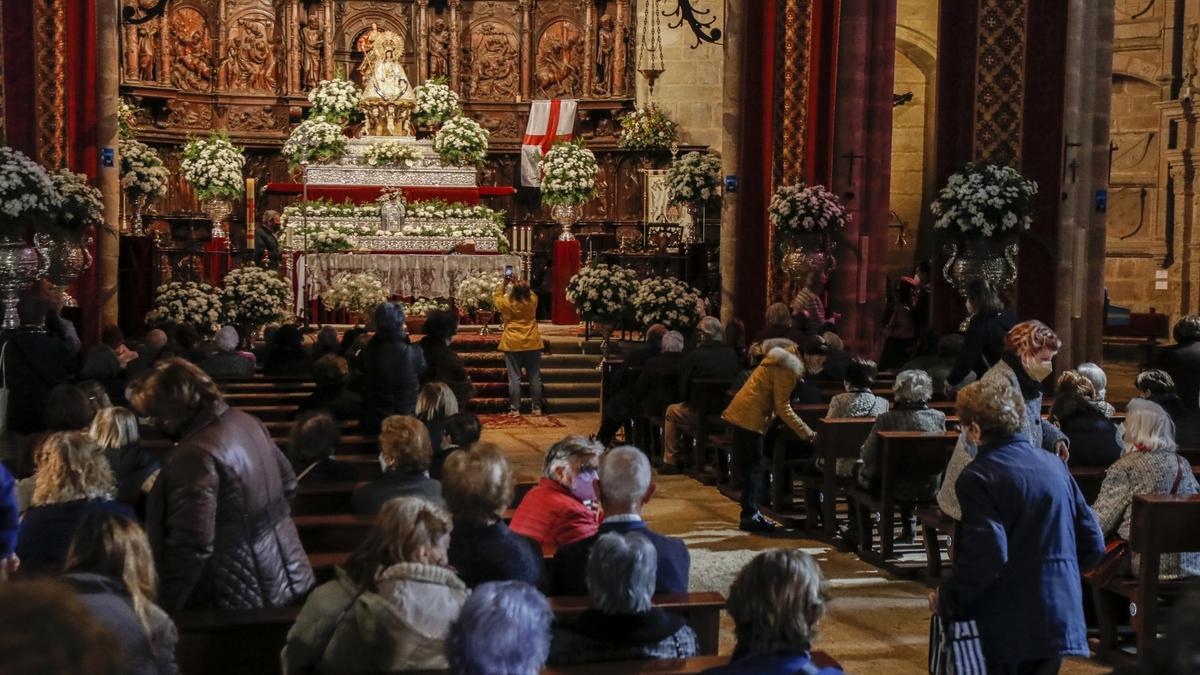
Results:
<point x="1025" y="534"/>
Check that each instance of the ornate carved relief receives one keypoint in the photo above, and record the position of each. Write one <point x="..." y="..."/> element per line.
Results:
<point x="249" y="52"/>
<point x="796" y="25"/>
<point x="312" y="48"/>
<point x="559" y="61"/>
<point x="191" y="50"/>
<point x="502" y="125"/>
<point x="493" y="68"/>
<point x="189" y="114"/>
<point x="50" y="77"/>
<point x="254" y="118"/>
<point x="439" y="49"/>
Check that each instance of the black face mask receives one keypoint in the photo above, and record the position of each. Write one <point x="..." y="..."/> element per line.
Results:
<point x="171" y="431"/>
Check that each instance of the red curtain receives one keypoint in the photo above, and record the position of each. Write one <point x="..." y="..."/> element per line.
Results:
<point x="83" y="152"/>
<point x="19" y="121"/>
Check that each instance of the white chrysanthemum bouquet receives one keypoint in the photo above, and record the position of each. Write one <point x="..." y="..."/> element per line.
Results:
<point x="359" y="292"/>
<point x="187" y="302"/>
<point x="696" y="177"/>
<point x="984" y="198"/>
<point x="392" y="153"/>
<point x="28" y="196"/>
<point x="803" y="209"/>
<point x="143" y="173"/>
<point x="423" y="306"/>
<point x="436" y="103"/>
<point x="475" y="291"/>
<point x="569" y="173"/>
<point x="316" y="139"/>
<point x="213" y="166"/>
<point x="647" y="128"/>
<point x="602" y="292"/>
<point x="254" y="296"/>
<point x="461" y="142"/>
<point x="668" y="301"/>
<point x="82" y="205"/>
<point x="335" y="100"/>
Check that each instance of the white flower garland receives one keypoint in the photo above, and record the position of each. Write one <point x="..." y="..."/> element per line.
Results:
<point x="27" y="194"/>
<point x="569" y="173"/>
<point x="336" y="100"/>
<point x="359" y="292"/>
<point x="213" y="166"/>
<point x="392" y="153"/>
<point x="314" y="140"/>
<point x="694" y="178"/>
<point x="187" y="302"/>
<point x="602" y="292"/>
<point x="461" y="142"/>
<point x="254" y="296"/>
<point x="475" y="291"/>
<point x="143" y="173"/>
<point x="436" y="103"/>
<point x="988" y="199"/>
<point x="668" y="301"/>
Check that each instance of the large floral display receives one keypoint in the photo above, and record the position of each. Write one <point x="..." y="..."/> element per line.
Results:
<point x="187" y="302"/>
<point x="603" y="292"/>
<point x="668" y="301"/>
<point x="213" y="166"/>
<point x="254" y="296"/>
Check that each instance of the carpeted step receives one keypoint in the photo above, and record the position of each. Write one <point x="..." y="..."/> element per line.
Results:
<point x="557" y="390"/>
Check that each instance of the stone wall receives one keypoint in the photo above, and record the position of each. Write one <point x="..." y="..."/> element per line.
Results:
<point x="691" y="89"/>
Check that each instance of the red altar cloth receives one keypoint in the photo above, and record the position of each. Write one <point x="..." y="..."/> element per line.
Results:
<point x="218" y="258"/>
<point x="565" y="266"/>
<point x="360" y="194"/>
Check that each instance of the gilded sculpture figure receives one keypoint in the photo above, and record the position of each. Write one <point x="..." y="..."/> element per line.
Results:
<point x="191" y="51"/>
<point x="439" y="50"/>
<point x="312" y="44"/>
<point x="605" y="45"/>
<point x="387" y="99"/>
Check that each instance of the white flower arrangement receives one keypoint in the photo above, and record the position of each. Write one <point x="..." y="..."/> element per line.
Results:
<point x="800" y="209"/>
<point x="602" y="292"/>
<point x="82" y="205"/>
<point x="475" y="291"/>
<point x="126" y="120"/>
<point x="359" y="292"/>
<point x="329" y="236"/>
<point x="569" y="173"/>
<point x="392" y="153"/>
<point x="28" y="196"/>
<point x="335" y="100"/>
<point x="984" y="198"/>
<point x="322" y="208"/>
<point x="314" y="140"/>
<point x="461" y="142"/>
<point x="187" y="302"/>
<point x="254" y="296"/>
<point x="696" y="177"/>
<point x="213" y="166"/>
<point x="647" y="128"/>
<point x="143" y="173"/>
<point x="423" y="306"/>
<point x="436" y="103"/>
<point x="668" y="301"/>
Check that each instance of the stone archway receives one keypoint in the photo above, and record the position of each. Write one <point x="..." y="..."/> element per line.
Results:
<point x="913" y="145"/>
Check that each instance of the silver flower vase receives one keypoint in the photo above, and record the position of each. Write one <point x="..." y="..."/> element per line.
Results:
<point x="20" y="266"/>
<point x="218" y="210"/>
<point x="991" y="259"/>
<point x="65" y="261"/>
<point x="136" y="227"/>
<point x="566" y="215"/>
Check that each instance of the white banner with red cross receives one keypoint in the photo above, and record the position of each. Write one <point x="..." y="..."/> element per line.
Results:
<point x="549" y="122"/>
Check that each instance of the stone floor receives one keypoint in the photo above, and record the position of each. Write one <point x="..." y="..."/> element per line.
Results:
<point x="876" y="623"/>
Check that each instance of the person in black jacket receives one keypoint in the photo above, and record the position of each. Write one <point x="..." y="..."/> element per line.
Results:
<point x="34" y="363"/>
<point x="1158" y="387"/>
<point x="435" y="405"/>
<point x="313" y="441"/>
<point x="619" y="396"/>
<point x="712" y="359"/>
<point x="462" y="432"/>
<point x="332" y="395"/>
<point x="983" y="344"/>
<point x="286" y="355"/>
<point x="657" y="387"/>
<point x="1094" y="439"/>
<point x="443" y="364"/>
<point x="1182" y="361"/>
<point x="102" y="366"/>
<point x="391" y="366"/>
<point x="478" y="487"/>
<point x="405" y="453"/>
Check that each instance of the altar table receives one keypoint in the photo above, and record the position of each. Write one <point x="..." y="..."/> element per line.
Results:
<point x="417" y="275"/>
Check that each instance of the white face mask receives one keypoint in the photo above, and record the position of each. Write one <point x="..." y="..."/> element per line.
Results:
<point x="1037" y="369"/>
<point x="383" y="465"/>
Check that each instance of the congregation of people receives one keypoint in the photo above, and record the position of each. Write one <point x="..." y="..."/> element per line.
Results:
<point x="105" y="538"/>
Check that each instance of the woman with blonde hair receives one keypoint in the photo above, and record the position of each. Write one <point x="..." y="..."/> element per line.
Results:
<point x="405" y="452"/>
<point x="111" y="567"/>
<point x="521" y="342"/>
<point x="115" y="430"/>
<point x="73" y="479"/>
<point x="390" y="606"/>
<point x="1151" y="465"/>
<point x="435" y="404"/>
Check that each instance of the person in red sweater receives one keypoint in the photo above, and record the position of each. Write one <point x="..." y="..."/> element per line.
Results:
<point x="559" y="510"/>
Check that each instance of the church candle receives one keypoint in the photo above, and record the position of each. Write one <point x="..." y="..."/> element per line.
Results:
<point x="249" y="213"/>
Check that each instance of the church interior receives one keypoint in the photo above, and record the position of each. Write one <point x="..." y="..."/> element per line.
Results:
<point x="599" y="336"/>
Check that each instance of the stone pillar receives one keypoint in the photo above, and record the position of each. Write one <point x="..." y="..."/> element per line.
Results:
<point x="731" y="120"/>
<point x="109" y="180"/>
<point x="526" y="7"/>
<point x="422" y="41"/>
<point x="619" y="48"/>
<point x="455" y="29"/>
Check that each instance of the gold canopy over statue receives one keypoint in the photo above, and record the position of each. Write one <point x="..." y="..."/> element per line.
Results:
<point x="387" y="99"/>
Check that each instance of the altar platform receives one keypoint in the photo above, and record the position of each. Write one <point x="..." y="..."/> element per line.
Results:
<point x="362" y="194"/>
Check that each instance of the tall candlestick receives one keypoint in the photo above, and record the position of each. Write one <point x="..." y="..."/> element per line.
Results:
<point x="250" y="213"/>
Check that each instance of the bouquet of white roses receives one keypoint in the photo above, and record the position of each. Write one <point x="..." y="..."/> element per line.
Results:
<point x="187" y="302"/>
<point x="648" y="129"/>
<point x="436" y="103"/>
<point x="254" y="296"/>
<point x="359" y="292"/>
<point x="986" y="198"/>
<point x="335" y="100"/>
<point x="799" y="209"/>
<point x="213" y="166"/>
<point x="461" y="142"/>
<point x="82" y="205"/>
<point x="694" y="178"/>
<point x="602" y="292"/>
<point x="392" y="153"/>
<point x="27" y="194"/>
<point x="569" y="174"/>
<point x="475" y="292"/>
<point x="142" y="171"/>
<point x="314" y="140"/>
<point x="423" y="306"/>
<point x="668" y="301"/>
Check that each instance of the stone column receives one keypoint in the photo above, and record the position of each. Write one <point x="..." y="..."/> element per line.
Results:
<point x="109" y="180"/>
<point x="618" y="67"/>
<point x="731" y="121"/>
<point x="455" y="54"/>
<point x="422" y="41"/>
<point x="526" y="7"/>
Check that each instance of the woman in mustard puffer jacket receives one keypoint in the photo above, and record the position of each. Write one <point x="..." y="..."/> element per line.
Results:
<point x="765" y="396"/>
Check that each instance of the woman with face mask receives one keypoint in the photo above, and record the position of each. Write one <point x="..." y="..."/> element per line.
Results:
<point x="558" y="510"/>
<point x="1028" y="358"/>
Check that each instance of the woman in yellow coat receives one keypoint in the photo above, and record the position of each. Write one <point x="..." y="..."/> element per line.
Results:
<point x="521" y="342"/>
<point x="765" y="396"/>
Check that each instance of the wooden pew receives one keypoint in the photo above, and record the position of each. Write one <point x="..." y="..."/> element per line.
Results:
<point x="702" y="611"/>
<point x="316" y="499"/>
<point x="1161" y="524"/>
<point x="347" y="445"/>
<point x="708" y="401"/>
<point x="837" y="438"/>
<point x="904" y="456"/>
<point x="695" y="664"/>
